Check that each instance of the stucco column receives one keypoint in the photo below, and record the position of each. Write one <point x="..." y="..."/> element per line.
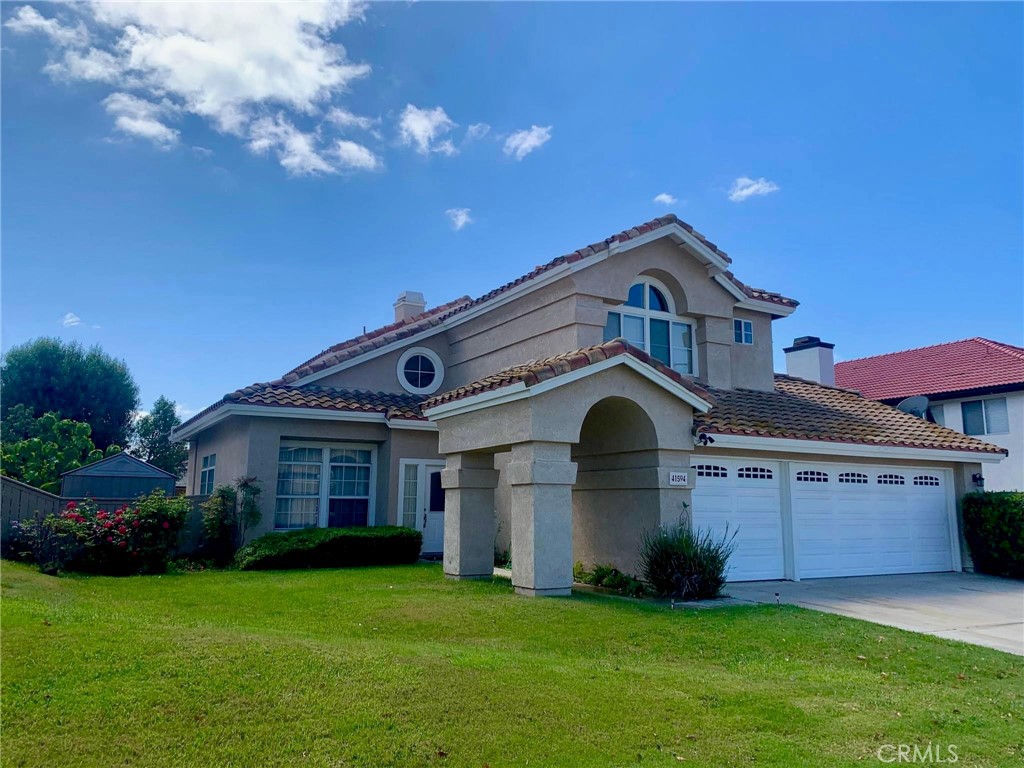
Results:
<point x="469" y="480"/>
<point x="675" y="499"/>
<point x="541" y="476"/>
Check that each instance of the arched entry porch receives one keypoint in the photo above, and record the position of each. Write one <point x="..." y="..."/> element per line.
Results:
<point x="601" y="436"/>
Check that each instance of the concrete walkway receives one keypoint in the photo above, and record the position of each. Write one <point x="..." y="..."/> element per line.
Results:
<point x="982" y="610"/>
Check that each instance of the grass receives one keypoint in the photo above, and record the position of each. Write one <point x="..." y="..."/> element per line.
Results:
<point x="397" y="666"/>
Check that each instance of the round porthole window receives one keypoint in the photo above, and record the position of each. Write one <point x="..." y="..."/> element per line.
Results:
<point x="420" y="370"/>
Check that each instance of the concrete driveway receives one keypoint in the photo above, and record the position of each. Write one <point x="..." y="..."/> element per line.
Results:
<point x="983" y="610"/>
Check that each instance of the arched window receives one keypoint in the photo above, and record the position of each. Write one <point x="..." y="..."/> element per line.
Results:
<point x="648" y="320"/>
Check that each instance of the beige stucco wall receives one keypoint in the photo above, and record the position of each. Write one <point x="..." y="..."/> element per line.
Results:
<point x="570" y="313"/>
<point x="229" y="440"/>
<point x="404" y="444"/>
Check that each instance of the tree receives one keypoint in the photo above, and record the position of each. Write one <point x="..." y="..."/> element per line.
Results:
<point x="52" y="376"/>
<point x="52" y="447"/>
<point x="153" y="438"/>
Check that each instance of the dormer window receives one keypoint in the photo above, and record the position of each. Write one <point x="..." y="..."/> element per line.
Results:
<point x="648" y="320"/>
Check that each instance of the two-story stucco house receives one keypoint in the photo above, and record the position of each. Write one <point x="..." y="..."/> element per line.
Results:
<point x="622" y="386"/>
<point x="975" y="386"/>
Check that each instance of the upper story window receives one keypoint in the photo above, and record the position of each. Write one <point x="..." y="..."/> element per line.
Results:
<point x="648" y="321"/>
<point x="420" y="371"/>
<point x="986" y="417"/>
<point x="206" y="474"/>
<point x="743" y="331"/>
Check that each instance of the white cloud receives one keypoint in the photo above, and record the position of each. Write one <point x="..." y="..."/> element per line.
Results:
<point x="459" y="217"/>
<point x="202" y="151"/>
<point x="350" y="155"/>
<point x="229" y="67"/>
<point x="27" y="20"/>
<point x="744" y="188"/>
<point x="296" y="151"/>
<point x="70" y="320"/>
<point x="477" y="131"/>
<point x="141" y="118"/>
<point x="522" y="143"/>
<point x="423" y="129"/>
<point x="342" y="118"/>
<point x="665" y="199"/>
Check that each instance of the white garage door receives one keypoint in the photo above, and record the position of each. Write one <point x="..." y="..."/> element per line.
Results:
<point x="853" y="520"/>
<point x="744" y="495"/>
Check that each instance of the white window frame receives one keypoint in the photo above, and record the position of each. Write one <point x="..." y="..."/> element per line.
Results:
<point x="648" y="314"/>
<point x="984" y="414"/>
<point x="438" y="371"/>
<point x="208" y="464"/>
<point x="743" y="328"/>
<point x="422" y="491"/>
<point x="325" y="480"/>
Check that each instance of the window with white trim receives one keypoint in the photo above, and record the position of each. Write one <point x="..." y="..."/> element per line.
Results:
<point x="743" y="331"/>
<point x="853" y="478"/>
<point x="986" y="417"/>
<point x="926" y="480"/>
<point x="755" y="473"/>
<point x="811" y="476"/>
<point x="207" y="474"/>
<point x="711" y="470"/>
<point x="420" y="371"/>
<point x="648" y="320"/>
<point x="305" y="500"/>
<point x="891" y="480"/>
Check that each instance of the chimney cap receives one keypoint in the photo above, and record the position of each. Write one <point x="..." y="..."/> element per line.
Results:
<point x="808" y="342"/>
<point x="410" y="297"/>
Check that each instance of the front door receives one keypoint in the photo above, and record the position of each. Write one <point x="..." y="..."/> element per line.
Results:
<point x="423" y="502"/>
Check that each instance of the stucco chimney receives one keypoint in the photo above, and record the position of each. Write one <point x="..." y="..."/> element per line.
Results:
<point x="811" y="358"/>
<point x="409" y="303"/>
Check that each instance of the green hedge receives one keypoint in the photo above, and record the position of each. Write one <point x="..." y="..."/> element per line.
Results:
<point x="331" y="548"/>
<point x="994" y="529"/>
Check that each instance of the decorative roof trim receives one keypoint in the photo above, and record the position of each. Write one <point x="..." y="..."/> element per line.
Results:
<point x="318" y="414"/>
<point x="837" y="448"/>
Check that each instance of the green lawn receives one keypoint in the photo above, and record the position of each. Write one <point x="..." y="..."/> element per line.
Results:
<point x="397" y="666"/>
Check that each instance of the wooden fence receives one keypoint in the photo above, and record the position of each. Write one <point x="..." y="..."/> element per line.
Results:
<point x="23" y="502"/>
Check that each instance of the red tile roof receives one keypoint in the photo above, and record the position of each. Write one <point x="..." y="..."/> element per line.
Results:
<point x="351" y="348"/>
<point x="536" y="371"/>
<point x="391" y="405"/>
<point x="805" y="410"/>
<point x="957" y="366"/>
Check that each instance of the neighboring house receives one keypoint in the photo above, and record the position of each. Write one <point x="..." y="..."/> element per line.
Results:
<point x="115" y="480"/>
<point x="567" y="412"/>
<point x="975" y="386"/>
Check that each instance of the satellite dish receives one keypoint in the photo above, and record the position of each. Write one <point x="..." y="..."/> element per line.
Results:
<point x="915" y="406"/>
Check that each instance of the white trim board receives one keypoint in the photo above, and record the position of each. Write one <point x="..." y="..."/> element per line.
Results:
<point x="519" y="390"/>
<point x="683" y="237"/>
<point x="318" y="414"/>
<point x="830" y="448"/>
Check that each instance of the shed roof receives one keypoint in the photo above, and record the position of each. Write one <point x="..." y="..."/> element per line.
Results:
<point x="119" y="465"/>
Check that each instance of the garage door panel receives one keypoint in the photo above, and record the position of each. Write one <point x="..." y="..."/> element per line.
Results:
<point x="748" y="507"/>
<point x="877" y="527"/>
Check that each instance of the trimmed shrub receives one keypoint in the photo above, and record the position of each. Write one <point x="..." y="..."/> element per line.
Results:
<point x="685" y="564"/>
<point x="331" y="548"/>
<point x="994" y="529"/>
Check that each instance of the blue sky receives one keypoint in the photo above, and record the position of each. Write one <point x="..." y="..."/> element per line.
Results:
<point x="216" y="198"/>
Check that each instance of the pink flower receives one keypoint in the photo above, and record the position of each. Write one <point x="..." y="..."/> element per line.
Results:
<point x="166" y="524"/>
<point x="72" y="505"/>
<point x="136" y="524"/>
<point x="122" y="544"/>
<point x="108" y="524"/>
<point x="122" y="529"/>
<point x="110" y="538"/>
<point x="102" y="516"/>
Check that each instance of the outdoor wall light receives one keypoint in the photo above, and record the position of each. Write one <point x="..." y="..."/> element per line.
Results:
<point x="978" y="479"/>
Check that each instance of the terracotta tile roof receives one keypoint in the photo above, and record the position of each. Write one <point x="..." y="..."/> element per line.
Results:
<point x="956" y="366"/>
<point x="391" y="404"/>
<point x="804" y="410"/>
<point x="431" y="318"/>
<point x="536" y="371"/>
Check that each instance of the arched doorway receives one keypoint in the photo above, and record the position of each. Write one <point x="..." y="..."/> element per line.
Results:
<point x="617" y="495"/>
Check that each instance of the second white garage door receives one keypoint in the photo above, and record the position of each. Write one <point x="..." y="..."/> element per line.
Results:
<point x="743" y="495"/>
<point x="855" y="520"/>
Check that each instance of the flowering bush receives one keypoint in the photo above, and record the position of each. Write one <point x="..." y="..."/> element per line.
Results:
<point x="135" y="538"/>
